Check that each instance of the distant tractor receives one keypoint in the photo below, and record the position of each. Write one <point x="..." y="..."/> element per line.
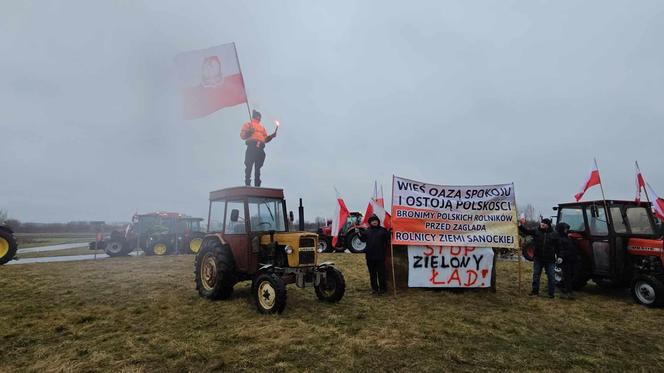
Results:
<point x="249" y="240"/>
<point x="8" y="245"/>
<point x="347" y="238"/>
<point x="156" y="233"/>
<point x="621" y="249"/>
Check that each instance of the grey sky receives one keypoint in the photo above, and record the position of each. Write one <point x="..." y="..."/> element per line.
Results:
<point x="444" y="92"/>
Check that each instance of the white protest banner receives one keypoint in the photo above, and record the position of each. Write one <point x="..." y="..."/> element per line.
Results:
<point x="449" y="267"/>
<point x="444" y="215"/>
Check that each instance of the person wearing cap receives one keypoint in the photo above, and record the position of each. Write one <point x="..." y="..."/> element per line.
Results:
<point x="567" y="258"/>
<point x="546" y="244"/>
<point x="255" y="136"/>
<point x="377" y="239"/>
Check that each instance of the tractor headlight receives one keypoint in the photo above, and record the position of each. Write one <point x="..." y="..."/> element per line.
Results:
<point x="289" y="250"/>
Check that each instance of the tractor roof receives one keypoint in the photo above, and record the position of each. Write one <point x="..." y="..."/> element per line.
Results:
<point x="164" y="214"/>
<point x="246" y="191"/>
<point x="608" y="201"/>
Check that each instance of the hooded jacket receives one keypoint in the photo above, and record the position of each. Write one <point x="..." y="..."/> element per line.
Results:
<point x="547" y="243"/>
<point x="568" y="249"/>
<point x="377" y="239"/>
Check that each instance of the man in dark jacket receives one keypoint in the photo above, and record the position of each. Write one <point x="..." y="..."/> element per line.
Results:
<point x="546" y="247"/>
<point x="377" y="239"/>
<point x="567" y="258"/>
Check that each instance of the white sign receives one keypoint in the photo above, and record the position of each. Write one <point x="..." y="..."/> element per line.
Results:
<point x="449" y="267"/>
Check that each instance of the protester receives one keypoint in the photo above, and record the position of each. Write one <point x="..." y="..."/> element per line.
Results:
<point x="546" y="247"/>
<point x="255" y="137"/>
<point x="567" y="258"/>
<point x="377" y="239"/>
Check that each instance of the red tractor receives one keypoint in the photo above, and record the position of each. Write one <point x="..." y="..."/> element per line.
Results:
<point x="623" y="248"/>
<point x="347" y="239"/>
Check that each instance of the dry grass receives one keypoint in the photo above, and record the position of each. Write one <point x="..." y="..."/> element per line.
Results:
<point x="143" y="315"/>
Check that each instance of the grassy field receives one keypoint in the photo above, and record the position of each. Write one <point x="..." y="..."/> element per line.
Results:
<point x="27" y="240"/>
<point x="143" y="315"/>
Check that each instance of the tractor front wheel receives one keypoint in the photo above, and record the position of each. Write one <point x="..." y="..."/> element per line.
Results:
<point x="354" y="244"/>
<point x="331" y="288"/>
<point x="214" y="271"/>
<point x="648" y="290"/>
<point x="269" y="293"/>
<point x="116" y="247"/>
<point x="324" y="245"/>
<point x="8" y="246"/>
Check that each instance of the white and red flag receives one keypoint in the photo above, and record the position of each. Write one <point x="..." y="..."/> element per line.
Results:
<point x="640" y="183"/>
<point x="210" y="79"/>
<point x="593" y="179"/>
<point x="376" y="207"/>
<point x="657" y="203"/>
<point x="340" y="217"/>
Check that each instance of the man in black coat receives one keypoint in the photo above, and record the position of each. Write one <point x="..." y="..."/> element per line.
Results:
<point x="377" y="239"/>
<point x="546" y="247"/>
<point x="567" y="258"/>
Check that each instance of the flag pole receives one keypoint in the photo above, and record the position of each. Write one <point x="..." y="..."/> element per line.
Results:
<point x="645" y="189"/>
<point x="244" y="86"/>
<point x="601" y="186"/>
<point x="394" y="278"/>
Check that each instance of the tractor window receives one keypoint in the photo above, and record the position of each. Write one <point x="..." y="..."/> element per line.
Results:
<point x="267" y="214"/>
<point x="639" y="221"/>
<point x="619" y="225"/>
<point x="217" y="216"/>
<point x="597" y="221"/>
<point x="235" y="223"/>
<point x="573" y="217"/>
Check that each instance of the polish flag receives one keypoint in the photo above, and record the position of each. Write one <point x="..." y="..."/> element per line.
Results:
<point x="210" y="79"/>
<point x="340" y="217"/>
<point x="658" y="203"/>
<point x="640" y="183"/>
<point x="593" y="179"/>
<point x="376" y="207"/>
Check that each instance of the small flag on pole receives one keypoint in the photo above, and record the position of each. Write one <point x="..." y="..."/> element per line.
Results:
<point x="593" y="179"/>
<point x="340" y="217"/>
<point x="210" y="80"/>
<point x="658" y="203"/>
<point x="640" y="183"/>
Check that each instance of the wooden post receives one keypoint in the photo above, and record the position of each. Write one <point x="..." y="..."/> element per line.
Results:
<point x="394" y="279"/>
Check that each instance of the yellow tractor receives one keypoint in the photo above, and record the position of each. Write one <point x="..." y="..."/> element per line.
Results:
<point x="249" y="240"/>
<point x="7" y="244"/>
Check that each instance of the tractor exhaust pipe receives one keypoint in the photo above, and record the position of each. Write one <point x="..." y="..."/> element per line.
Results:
<point x="300" y="211"/>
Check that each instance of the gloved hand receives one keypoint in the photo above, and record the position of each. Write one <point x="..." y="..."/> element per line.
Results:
<point x="250" y="131"/>
<point x="559" y="260"/>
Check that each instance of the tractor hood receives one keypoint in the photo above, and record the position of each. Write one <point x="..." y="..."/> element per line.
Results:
<point x="646" y="247"/>
<point x="293" y="239"/>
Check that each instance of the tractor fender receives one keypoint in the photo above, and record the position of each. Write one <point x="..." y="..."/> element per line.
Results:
<point x="264" y="268"/>
<point x="325" y="265"/>
<point x="214" y="237"/>
<point x="6" y="229"/>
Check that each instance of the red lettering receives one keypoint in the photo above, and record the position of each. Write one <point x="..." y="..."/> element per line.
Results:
<point x="428" y="251"/>
<point x="471" y="274"/>
<point x="433" y="279"/>
<point x="468" y="250"/>
<point x="455" y="251"/>
<point x="454" y="277"/>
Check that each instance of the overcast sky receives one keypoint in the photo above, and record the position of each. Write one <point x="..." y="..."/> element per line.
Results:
<point x="479" y="92"/>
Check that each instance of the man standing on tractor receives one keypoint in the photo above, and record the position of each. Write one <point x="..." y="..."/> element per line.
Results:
<point x="546" y="246"/>
<point x="255" y="136"/>
<point x="567" y="258"/>
<point x="377" y="239"/>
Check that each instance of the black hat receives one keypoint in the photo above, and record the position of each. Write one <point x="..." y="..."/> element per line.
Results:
<point x="255" y="114"/>
<point x="546" y="221"/>
<point x="374" y="217"/>
<point x="562" y="227"/>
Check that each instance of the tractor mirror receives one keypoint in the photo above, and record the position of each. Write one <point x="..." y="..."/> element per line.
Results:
<point x="235" y="215"/>
<point x="555" y="208"/>
<point x="291" y="216"/>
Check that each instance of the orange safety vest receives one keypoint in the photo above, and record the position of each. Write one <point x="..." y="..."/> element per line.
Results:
<point x="259" y="134"/>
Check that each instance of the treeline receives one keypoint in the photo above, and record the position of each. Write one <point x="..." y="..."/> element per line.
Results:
<point x="71" y="227"/>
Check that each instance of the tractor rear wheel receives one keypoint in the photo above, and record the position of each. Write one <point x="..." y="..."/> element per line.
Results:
<point x="159" y="248"/>
<point x="8" y="246"/>
<point x="528" y="252"/>
<point x="647" y="290"/>
<point x="116" y="247"/>
<point x="213" y="269"/>
<point x="354" y="244"/>
<point x="332" y="288"/>
<point x="269" y="293"/>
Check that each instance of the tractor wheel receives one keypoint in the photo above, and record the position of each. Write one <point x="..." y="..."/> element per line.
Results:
<point x="354" y="244"/>
<point x="213" y="268"/>
<point x="325" y="244"/>
<point x="269" y="293"/>
<point x="194" y="245"/>
<point x="528" y="252"/>
<point x="115" y="247"/>
<point x="648" y="290"/>
<point x="8" y="246"/>
<point x="159" y="248"/>
<point x="332" y="288"/>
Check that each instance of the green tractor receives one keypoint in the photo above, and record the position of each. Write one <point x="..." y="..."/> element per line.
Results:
<point x="8" y="244"/>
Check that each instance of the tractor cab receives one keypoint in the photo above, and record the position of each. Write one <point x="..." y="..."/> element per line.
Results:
<point x="618" y="242"/>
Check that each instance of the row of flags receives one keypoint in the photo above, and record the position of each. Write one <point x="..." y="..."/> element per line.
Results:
<point x="641" y="187"/>
<point x="376" y="206"/>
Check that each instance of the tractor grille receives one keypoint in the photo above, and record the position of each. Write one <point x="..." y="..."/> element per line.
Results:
<point x="307" y="257"/>
<point x="307" y="242"/>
